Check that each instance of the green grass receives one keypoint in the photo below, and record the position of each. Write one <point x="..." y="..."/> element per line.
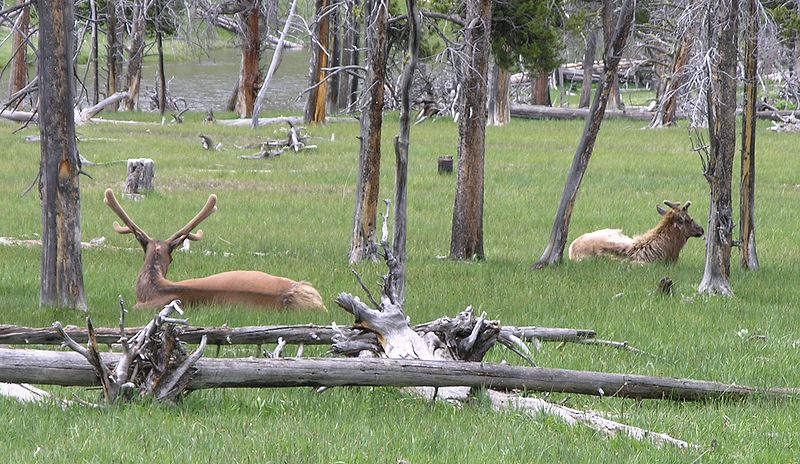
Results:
<point x="296" y="212"/>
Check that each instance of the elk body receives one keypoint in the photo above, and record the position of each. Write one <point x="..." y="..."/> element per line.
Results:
<point x="661" y="243"/>
<point x="249" y="288"/>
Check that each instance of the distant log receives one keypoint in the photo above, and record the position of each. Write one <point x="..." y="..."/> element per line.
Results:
<point x="548" y="112"/>
<point x="254" y="335"/>
<point x="71" y="369"/>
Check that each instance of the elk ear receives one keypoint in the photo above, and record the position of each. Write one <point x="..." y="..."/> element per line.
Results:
<point x="661" y="210"/>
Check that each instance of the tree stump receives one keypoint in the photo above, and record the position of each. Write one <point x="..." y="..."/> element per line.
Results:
<point x="140" y="175"/>
<point x="446" y="164"/>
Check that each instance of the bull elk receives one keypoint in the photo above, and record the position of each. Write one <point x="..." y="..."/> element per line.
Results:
<point x="248" y="288"/>
<point x="664" y="242"/>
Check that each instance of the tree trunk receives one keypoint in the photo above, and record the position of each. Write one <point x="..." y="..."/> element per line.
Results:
<point x="608" y="37"/>
<point x="363" y="245"/>
<point x="499" y="96"/>
<point x="721" y="96"/>
<point x="59" y="188"/>
<point x="668" y="100"/>
<point x="540" y="89"/>
<point x="337" y="35"/>
<point x="162" y="78"/>
<point x="18" y="77"/>
<point x="113" y="51"/>
<point x="588" y="67"/>
<point x="466" y="240"/>
<point x="135" y="55"/>
<point x="318" y="87"/>
<point x="95" y="61"/>
<point x="348" y="82"/>
<point x="249" y="76"/>
<point x="613" y="52"/>
<point x="401" y="144"/>
<point x="747" y="194"/>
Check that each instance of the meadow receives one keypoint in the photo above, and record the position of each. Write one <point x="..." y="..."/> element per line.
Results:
<point x="292" y="216"/>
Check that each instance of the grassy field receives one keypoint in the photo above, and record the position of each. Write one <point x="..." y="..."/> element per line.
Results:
<point x="292" y="216"/>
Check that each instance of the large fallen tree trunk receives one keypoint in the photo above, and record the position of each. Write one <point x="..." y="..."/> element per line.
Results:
<point x="255" y="335"/>
<point x="71" y="369"/>
<point x="549" y="112"/>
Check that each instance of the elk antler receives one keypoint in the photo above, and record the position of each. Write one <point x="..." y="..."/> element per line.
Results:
<point x="672" y="204"/>
<point x="186" y="232"/>
<point x="130" y="226"/>
<point x="687" y="205"/>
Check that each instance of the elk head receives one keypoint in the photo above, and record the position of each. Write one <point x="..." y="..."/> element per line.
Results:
<point x="158" y="253"/>
<point x="679" y="216"/>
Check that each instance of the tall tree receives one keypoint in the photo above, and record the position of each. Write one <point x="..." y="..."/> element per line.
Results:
<point x="350" y="51"/>
<point x="588" y="66"/>
<point x="747" y="193"/>
<point x="363" y="244"/>
<point x="721" y="99"/>
<point x="250" y="74"/>
<point x="499" y="111"/>
<point x="608" y="37"/>
<point x="466" y="240"/>
<point x="19" y="62"/>
<point x="318" y="86"/>
<point x="613" y="53"/>
<point x="62" y="271"/>
<point x="136" y="53"/>
<point x="114" y="55"/>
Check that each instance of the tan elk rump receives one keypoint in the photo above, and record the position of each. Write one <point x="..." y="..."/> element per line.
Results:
<point x="249" y="288"/>
<point x="664" y="242"/>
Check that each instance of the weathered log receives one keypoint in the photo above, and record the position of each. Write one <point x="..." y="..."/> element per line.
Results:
<point x="71" y="369"/>
<point x="140" y="175"/>
<point x="255" y="335"/>
<point x="86" y="115"/>
<point x="548" y="112"/>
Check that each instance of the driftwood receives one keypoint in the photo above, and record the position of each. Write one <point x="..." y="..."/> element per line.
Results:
<point x="548" y="112"/>
<point x="86" y="114"/>
<point x="258" y="335"/>
<point x="294" y="141"/>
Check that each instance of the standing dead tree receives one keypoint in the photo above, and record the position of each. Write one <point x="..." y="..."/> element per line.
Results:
<point x="554" y="251"/>
<point x="718" y="161"/>
<point x="362" y="244"/>
<point x="747" y="193"/>
<point x="315" y="111"/>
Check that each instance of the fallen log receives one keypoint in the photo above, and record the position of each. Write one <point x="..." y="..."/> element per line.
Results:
<point x="71" y="369"/>
<point x="548" y="112"/>
<point x="254" y="335"/>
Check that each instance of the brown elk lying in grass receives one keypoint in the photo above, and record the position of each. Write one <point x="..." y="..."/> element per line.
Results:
<point x="661" y="243"/>
<point x="248" y="288"/>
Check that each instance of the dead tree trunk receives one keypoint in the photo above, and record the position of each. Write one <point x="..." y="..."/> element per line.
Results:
<point x="337" y="36"/>
<point x="747" y="193"/>
<point x="18" y="78"/>
<point x="499" y="96"/>
<point x="466" y="240"/>
<point x="249" y="77"/>
<point x="668" y="100"/>
<point x="59" y="188"/>
<point x="94" y="60"/>
<point x="401" y="144"/>
<point x="363" y="244"/>
<point x="588" y="65"/>
<point x="608" y="38"/>
<point x="348" y="83"/>
<point x="721" y="97"/>
<point x="113" y="51"/>
<point x="558" y="237"/>
<point x="162" y="78"/>
<point x="318" y="86"/>
<point x="140" y="176"/>
<point x="136" y="54"/>
<point x="540" y="89"/>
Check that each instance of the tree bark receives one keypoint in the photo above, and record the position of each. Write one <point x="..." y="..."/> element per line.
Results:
<point x="466" y="240"/>
<point x="135" y="55"/>
<point x="337" y="37"/>
<point x="747" y="193"/>
<point x="721" y="97"/>
<point x="348" y="83"/>
<point x="71" y="369"/>
<point x="499" y="96"/>
<point x="401" y="144"/>
<point x="59" y="188"/>
<point x="608" y="38"/>
<point x="540" y="89"/>
<point x="249" y="76"/>
<point x="18" y="77"/>
<point x="363" y="243"/>
<point x="588" y="66"/>
<point x="162" y="78"/>
<point x="113" y="51"/>
<point x="668" y="100"/>
<point x="613" y="52"/>
<point x="318" y="87"/>
<point x="94" y="60"/>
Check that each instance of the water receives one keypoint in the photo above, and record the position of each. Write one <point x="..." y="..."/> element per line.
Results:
<point x="207" y="82"/>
